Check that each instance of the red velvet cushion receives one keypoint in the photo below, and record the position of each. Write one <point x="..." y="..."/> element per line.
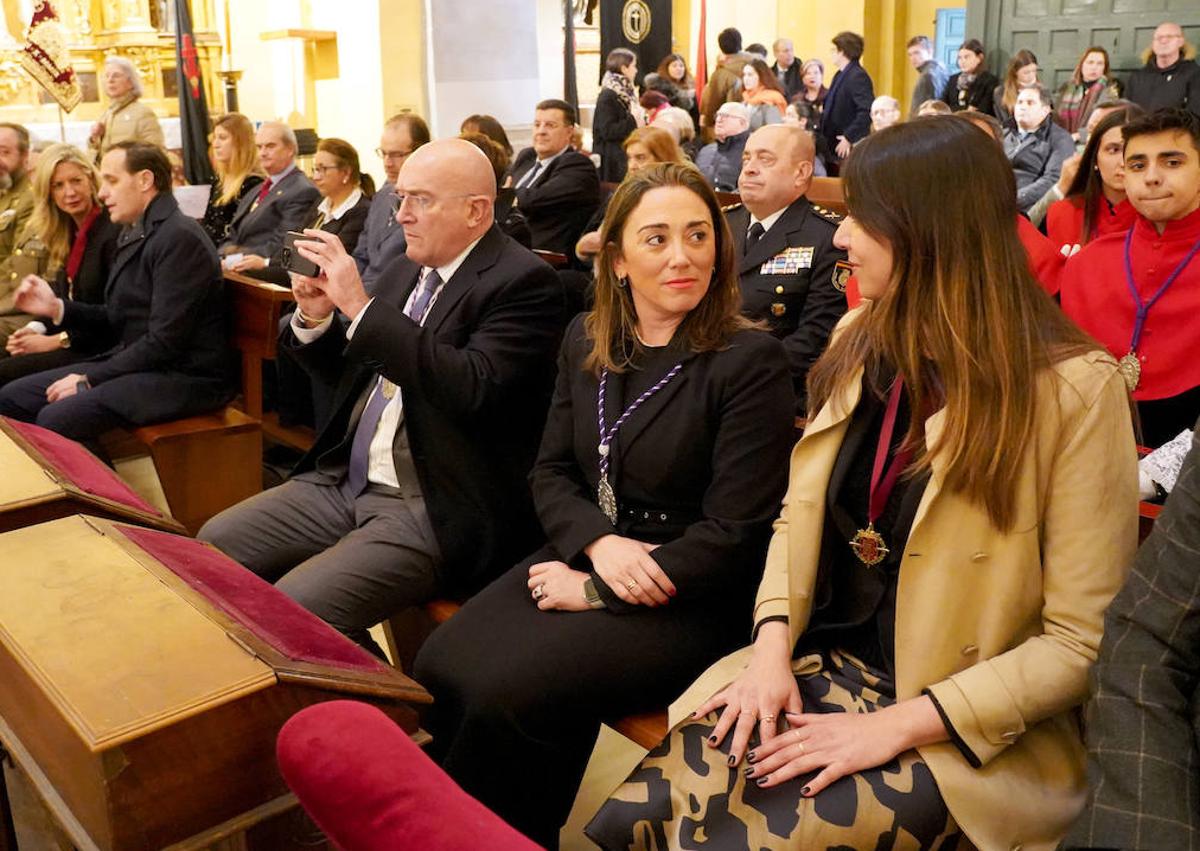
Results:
<point x="80" y="467"/>
<point x="368" y="787"/>
<point x="253" y="602"/>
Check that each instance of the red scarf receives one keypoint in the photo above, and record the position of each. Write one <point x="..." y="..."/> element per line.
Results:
<point x="75" y="258"/>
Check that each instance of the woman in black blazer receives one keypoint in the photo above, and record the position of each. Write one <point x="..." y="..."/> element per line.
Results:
<point x="614" y="118"/>
<point x="656" y="532"/>
<point x="973" y="87"/>
<point x="71" y="232"/>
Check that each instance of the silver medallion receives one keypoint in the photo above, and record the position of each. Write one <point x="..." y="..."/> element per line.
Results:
<point x="607" y="500"/>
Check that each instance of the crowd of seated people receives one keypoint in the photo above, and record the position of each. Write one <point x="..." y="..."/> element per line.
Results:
<point x="618" y="495"/>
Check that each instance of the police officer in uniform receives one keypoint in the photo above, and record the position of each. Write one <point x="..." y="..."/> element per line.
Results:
<point x="792" y="276"/>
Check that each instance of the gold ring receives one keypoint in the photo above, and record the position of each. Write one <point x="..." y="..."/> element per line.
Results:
<point x="768" y="719"/>
<point x="800" y="748"/>
<point x="631" y="584"/>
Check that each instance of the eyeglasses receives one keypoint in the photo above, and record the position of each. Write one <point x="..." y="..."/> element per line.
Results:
<point x="391" y="155"/>
<point x="421" y="202"/>
<point x="320" y="170"/>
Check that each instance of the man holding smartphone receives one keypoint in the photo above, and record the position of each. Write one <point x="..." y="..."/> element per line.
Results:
<point x="416" y="486"/>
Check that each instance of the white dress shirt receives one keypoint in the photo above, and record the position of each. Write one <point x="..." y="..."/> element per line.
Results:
<point x="381" y="467"/>
<point x="767" y="222"/>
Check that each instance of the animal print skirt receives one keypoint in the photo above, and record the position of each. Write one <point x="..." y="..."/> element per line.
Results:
<point x="684" y="795"/>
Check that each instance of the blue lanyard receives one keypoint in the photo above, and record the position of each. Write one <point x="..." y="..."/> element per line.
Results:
<point x="1143" y="307"/>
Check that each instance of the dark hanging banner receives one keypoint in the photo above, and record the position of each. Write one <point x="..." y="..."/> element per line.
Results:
<point x="193" y="107"/>
<point x="643" y="26"/>
<point x="570" y="87"/>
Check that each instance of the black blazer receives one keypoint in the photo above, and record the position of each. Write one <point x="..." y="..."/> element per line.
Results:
<point x="610" y="125"/>
<point x="476" y="381"/>
<point x="847" y="110"/>
<point x="260" y="229"/>
<point x="560" y="201"/>
<point x="348" y="228"/>
<point x="980" y="94"/>
<point x="700" y="468"/>
<point x="91" y="280"/>
<point x="802" y="306"/>
<point x="164" y="308"/>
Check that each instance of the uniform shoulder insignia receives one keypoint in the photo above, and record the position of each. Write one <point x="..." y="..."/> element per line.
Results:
<point x="729" y="208"/>
<point x="828" y="215"/>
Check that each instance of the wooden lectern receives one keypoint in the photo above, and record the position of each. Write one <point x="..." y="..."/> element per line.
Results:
<point x="44" y="476"/>
<point x="146" y="676"/>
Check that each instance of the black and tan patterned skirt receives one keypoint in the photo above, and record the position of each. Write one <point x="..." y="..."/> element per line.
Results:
<point x="684" y="795"/>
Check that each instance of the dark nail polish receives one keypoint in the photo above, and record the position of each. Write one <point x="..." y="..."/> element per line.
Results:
<point x="762" y="781"/>
<point x="749" y="770"/>
<point x="732" y="760"/>
<point x="712" y="740"/>
<point x="750" y="757"/>
<point x="805" y="791"/>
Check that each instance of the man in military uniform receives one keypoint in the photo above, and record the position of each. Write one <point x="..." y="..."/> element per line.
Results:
<point x="16" y="205"/>
<point x="787" y="265"/>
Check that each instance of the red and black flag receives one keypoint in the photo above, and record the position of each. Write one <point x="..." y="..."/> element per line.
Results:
<point x="193" y="106"/>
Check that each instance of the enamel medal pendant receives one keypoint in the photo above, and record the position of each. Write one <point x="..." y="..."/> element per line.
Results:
<point x="1130" y="368"/>
<point x="868" y="545"/>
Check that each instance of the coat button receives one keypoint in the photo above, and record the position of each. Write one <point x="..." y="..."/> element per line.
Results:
<point x="662" y="517"/>
<point x="969" y="650"/>
<point x="645" y="515"/>
<point x="979" y="557"/>
<point x="779" y="290"/>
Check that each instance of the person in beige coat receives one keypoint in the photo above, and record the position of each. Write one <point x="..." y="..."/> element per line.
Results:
<point x="922" y="641"/>
<point x="126" y="118"/>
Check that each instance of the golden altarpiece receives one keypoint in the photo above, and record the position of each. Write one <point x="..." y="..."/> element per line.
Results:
<point x="142" y="31"/>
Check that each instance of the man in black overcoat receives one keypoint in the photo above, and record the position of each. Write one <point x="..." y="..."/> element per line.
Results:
<point x="792" y="276"/>
<point x="416" y="487"/>
<point x="163" y="311"/>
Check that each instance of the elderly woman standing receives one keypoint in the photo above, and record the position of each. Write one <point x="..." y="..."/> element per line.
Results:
<point x="126" y="117"/>
<point x="661" y="464"/>
<point x="617" y="112"/>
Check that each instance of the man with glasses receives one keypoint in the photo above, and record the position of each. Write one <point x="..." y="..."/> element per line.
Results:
<point x="280" y="204"/>
<point x="1169" y="78"/>
<point x="415" y="488"/>
<point x="382" y="238"/>
<point x="721" y="161"/>
<point x="557" y="187"/>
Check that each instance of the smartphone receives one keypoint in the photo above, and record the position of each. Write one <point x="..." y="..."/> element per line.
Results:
<point x="292" y="261"/>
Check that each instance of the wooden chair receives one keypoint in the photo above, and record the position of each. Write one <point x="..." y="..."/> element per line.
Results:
<point x="552" y="258"/>
<point x="407" y="630"/>
<point x="827" y="192"/>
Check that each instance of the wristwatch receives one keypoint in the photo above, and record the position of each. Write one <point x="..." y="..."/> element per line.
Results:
<point x="64" y="340"/>
<point x="589" y="594"/>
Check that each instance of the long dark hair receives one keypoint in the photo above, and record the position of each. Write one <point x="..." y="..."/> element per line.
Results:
<point x="766" y="77"/>
<point x="663" y="70"/>
<point x="963" y="319"/>
<point x="612" y="324"/>
<point x="1088" y="186"/>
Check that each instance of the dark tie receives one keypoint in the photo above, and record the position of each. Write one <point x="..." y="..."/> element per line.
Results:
<point x="382" y="393"/>
<point x="752" y="238"/>
<point x="529" y="178"/>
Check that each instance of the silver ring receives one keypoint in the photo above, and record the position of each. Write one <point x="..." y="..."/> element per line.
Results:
<point x="539" y="591"/>
<point x="768" y="719"/>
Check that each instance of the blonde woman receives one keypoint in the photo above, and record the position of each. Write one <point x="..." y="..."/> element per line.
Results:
<point x="235" y="158"/>
<point x="126" y="117"/>
<point x="78" y="242"/>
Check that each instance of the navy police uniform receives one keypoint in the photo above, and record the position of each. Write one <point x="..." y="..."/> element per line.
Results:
<point x="794" y="279"/>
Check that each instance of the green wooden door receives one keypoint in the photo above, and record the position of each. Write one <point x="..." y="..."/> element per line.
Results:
<point x="1058" y="31"/>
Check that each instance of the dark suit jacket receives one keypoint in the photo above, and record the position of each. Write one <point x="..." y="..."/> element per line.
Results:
<point x="91" y="280"/>
<point x="980" y="94"/>
<point x="348" y="228"/>
<point x="847" y="110"/>
<point x="793" y="83"/>
<point x="560" y="201"/>
<point x="260" y="229"/>
<point x="164" y="308"/>
<point x="1144" y="720"/>
<point x="612" y="123"/>
<point x="382" y="239"/>
<point x="801" y="307"/>
<point x="699" y="468"/>
<point x="476" y="381"/>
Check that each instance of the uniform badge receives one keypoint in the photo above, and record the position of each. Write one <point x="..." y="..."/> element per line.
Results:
<point x="778" y="309"/>
<point x="842" y="271"/>
<point x="789" y="261"/>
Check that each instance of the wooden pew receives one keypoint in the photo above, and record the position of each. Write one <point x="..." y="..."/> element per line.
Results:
<point x="407" y="630"/>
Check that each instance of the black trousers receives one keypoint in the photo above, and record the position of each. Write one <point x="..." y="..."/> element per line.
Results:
<point x="519" y="694"/>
